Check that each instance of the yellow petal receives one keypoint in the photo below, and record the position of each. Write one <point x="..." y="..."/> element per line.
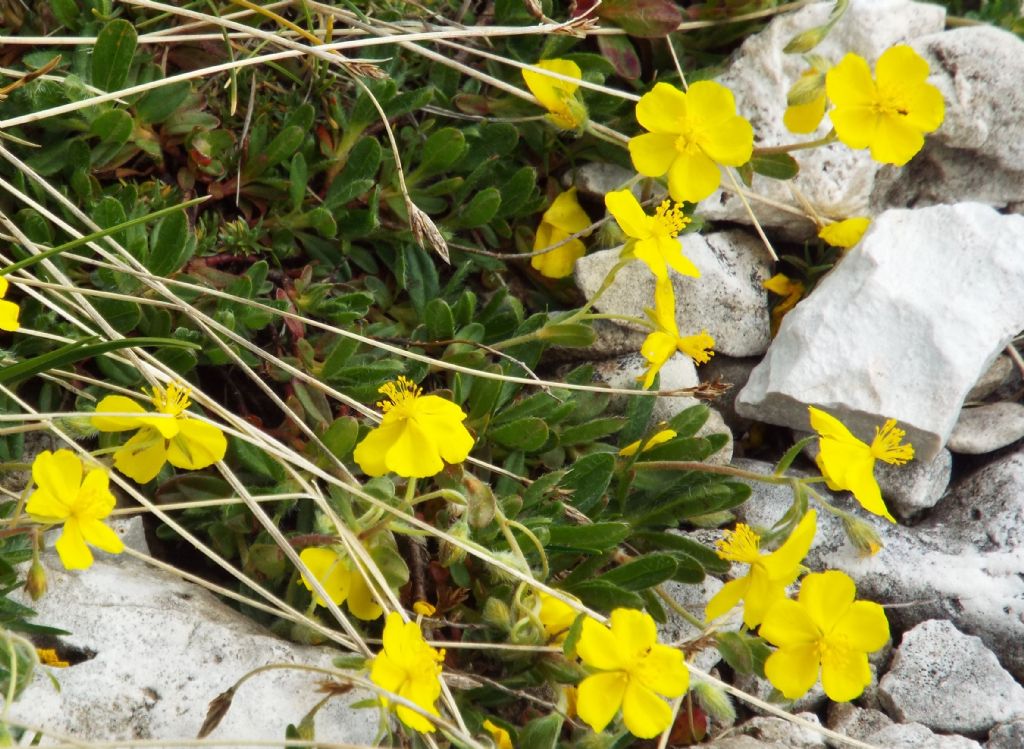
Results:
<point x="94" y="497"/>
<point x="855" y="126"/>
<point x="71" y="548"/>
<point x="559" y="263"/>
<point x="711" y="104"/>
<point x="727" y="598"/>
<point x="9" y="312"/>
<point x="598" y="647"/>
<point x="100" y="535"/>
<point x="692" y="177"/>
<point x="330" y="569"/>
<point x="386" y="673"/>
<point x="762" y="593"/>
<point x="829" y="427"/>
<point x="663" y="670"/>
<point x="805" y="118"/>
<point x="552" y="92"/>
<point x="844" y="673"/>
<point x="900" y="68"/>
<point x="730" y="142"/>
<point x="784" y="562"/>
<point x="793" y="670"/>
<point x="672" y="251"/>
<point x="845" y="233"/>
<point x="3" y="286"/>
<point x="142" y="457"/>
<point x="634" y="631"/>
<point x="644" y="713"/>
<point x="664" y="109"/>
<point x="117" y="404"/>
<point x="863" y="627"/>
<point x="925" y="108"/>
<point x="698" y="347"/>
<point x="501" y="738"/>
<point x="197" y="445"/>
<point x="850" y="85"/>
<point x="44" y="507"/>
<point x="626" y="211"/>
<point x="657" y="349"/>
<point x="599" y="698"/>
<point x="555" y="615"/>
<point x="442" y="420"/>
<point x="787" y="624"/>
<point x="566" y="213"/>
<point x="361" y="601"/>
<point x="827" y="597"/>
<point x="653" y="153"/>
<point x="896" y="141"/>
<point x="370" y="454"/>
<point x="59" y="474"/>
<point x="414" y="454"/>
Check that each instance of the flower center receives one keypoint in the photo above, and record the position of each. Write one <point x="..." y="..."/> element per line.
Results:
<point x="400" y="392"/>
<point x="171" y="401"/>
<point x="669" y="219"/>
<point x="688" y="141"/>
<point x="886" y="445"/>
<point x="740" y="545"/>
<point x="891" y="103"/>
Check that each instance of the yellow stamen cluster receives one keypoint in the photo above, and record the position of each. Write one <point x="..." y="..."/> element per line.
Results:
<point x="740" y="545"/>
<point x="49" y="657"/>
<point x="174" y="400"/>
<point x="670" y="218"/>
<point x="398" y="392"/>
<point x="886" y="445"/>
<point x="698" y="347"/>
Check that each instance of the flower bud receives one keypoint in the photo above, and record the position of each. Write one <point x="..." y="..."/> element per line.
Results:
<point x="449" y="553"/>
<point x="806" y="40"/>
<point x="715" y="702"/>
<point x="35" y="585"/>
<point x="862" y="536"/>
<point x="481" y="501"/>
<point x="508" y="559"/>
<point x="497" y="614"/>
<point x="526" y="632"/>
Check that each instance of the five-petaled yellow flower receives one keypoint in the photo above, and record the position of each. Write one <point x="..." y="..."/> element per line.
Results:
<point x="171" y="437"/>
<point x="769" y="574"/>
<point x="340" y="581"/>
<point x="786" y="287"/>
<point x="845" y="233"/>
<point x="417" y="434"/>
<point x="665" y="340"/>
<point x="849" y="464"/>
<point x="8" y="310"/>
<point x="652" y="238"/>
<point x="409" y="667"/>
<point x="690" y="134"/>
<point x="661" y="437"/>
<point x="565" y="109"/>
<point x="501" y="738"/>
<point x="564" y="218"/>
<point x="633" y="670"/>
<point x="62" y="496"/>
<point x="824" y="629"/>
<point x="889" y="116"/>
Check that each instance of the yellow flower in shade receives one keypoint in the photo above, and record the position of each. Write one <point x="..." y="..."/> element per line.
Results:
<point x="849" y="464"/>
<point x="845" y="233"/>
<point x="409" y="667"/>
<point x="556" y="616"/>
<point x="691" y="134"/>
<point x="8" y="310"/>
<point x="501" y="738"/>
<point x="179" y="440"/>
<point x="559" y="97"/>
<point x="652" y="238"/>
<point x="564" y="218"/>
<point x="824" y="630"/>
<point x="769" y="574"/>
<point x="341" y="582"/>
<point x="61" y="496"/>
<point x="889" y="116"/>
<point x="664" y="341"/>
<point x="786" y="287"/>
<point x="417" y="434"/>
<point x="633" y="670"/>
<point x="633" y="447"/>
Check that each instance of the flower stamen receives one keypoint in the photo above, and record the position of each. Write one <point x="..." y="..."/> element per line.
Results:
<point x="670" y="219"/>
<point x="174" y="400"/>
<point x="886" y="445"/>
<point x="398" y="392"/>
<point x="740" y="545"/>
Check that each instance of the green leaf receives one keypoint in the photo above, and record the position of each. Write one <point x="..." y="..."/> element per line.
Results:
<point x="121" y="314"/>
<point x="528" y="435"/>
<point x="255" y="460"/>
<point x="441" y="151"/>
<point x="619" y="50"/>
<point x="648" y="19"/>
<point x="790" y="455"/>
<point x="298" y="178"/>
<point x="171" y="245"/>
<point x="688" y="422"/>
<point x="594" y="538"/>
<point x="280" y="148"/>
<point x="341" y="436"/>
<point x="588" y="480"/>
<point x="644" y="572"/>
<point x="568" y="334"/>
<point x="66" y="12"/>
<point x="112" y="54"/>
<point x="113" y="126"/>
<point x="699" y="500"/>
<point x="160" y="103"/>
<point x="439" y="320"/>
<point x="480" y="209"/>
<point x="659" y="541"/>
<point x="745" y="653"/>
<point x="590" y="431"/>
<point x="541" y="733"/>
<point x="602" y="595"/>
<point x="358" y="176"/>
<point x="775" y="165"/>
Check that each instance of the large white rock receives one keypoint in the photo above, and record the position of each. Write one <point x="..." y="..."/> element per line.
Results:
<point x="950" y="682"/>
<point x="902" y="327"/>
<point x="836" y="181"/>
<point x="157" y="650"/>
<point x="727" y="300"/>
<point x="986" y="428"/>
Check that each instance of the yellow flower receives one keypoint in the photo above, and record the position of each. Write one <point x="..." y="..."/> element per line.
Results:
<point x="824" y="629"/>
<point x="501" y="737"/>
<point x="845" y="233"/>
<point x="664" y="341"/>
<point x="805" y="118"/>
<point x="690" y="135"/>
<point x="181" y="441"/>
<point x="633" y="670"/>
<point x="889" y="116"/>
<point x="62" y="496"/>
<point x="633" y="447"/>
<point x="653" y="238"/>
<point x="49" y="657"/>
<point x="564" y="218"/>
<point x="849" y="464"/>
<point x="556" y="616"/>
<point x="417" y="434"/>
<point x="786" y="287"/>
<point x="8" y="310"/>
<point x="409" y="667"/>
<point x="341" y="582"/>
<point x="559" y="97"/>
<point x="769" y="574"/>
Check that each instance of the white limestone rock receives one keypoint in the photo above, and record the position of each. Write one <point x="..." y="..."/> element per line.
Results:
<point x="978" y="153"/>
<point x="598" y="178"/>
<point x="950" y="682"/>
<point x="1006" y="736"/>
<point x="728" y="299"/>
<point x="983" y="429"/>
<point x="777" y="730"/>
<point x="892" y="333"/>
<point x="158" y="650"/>
<point x="917" y="736"/>
<point x="855" y="722"/>
<point x="836" y="180"/>
<point x="994" y="378"/>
